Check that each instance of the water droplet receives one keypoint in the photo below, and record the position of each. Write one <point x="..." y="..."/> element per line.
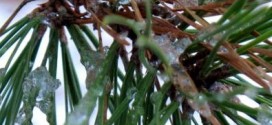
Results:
<point x="264" y="115"/>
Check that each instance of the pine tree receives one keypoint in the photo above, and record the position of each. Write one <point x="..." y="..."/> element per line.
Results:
<point x="165" y="64"/>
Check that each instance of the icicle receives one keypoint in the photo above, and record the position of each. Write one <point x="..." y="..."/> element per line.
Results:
<point x="264" y="115"/>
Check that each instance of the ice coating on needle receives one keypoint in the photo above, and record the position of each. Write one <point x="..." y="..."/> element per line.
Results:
<point x="92" y="61"/>
<point x="173" y="48"/>
<point x="38" y="90"/>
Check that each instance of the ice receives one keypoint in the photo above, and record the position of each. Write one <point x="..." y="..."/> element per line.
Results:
<point x="172" y="48"/>
<point x="264" y="115"/>
<point x="92" y="61"/>
<point x="38" y="90"/>
<point x="181" y="44"/>
<point x="21" y="118"/>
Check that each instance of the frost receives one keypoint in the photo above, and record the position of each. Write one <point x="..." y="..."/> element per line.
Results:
<point x="264" y="115"/>
<point x="172" y="48"/>
<point x="38" y="90"/>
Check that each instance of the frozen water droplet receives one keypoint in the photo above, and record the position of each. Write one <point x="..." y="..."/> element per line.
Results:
<point x="124" y="2"/>
<point x="165" y="43"/>
<point x="264" y="115"/>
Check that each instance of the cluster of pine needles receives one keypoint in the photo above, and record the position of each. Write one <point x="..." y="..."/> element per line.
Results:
<point x="166" y="64"/>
